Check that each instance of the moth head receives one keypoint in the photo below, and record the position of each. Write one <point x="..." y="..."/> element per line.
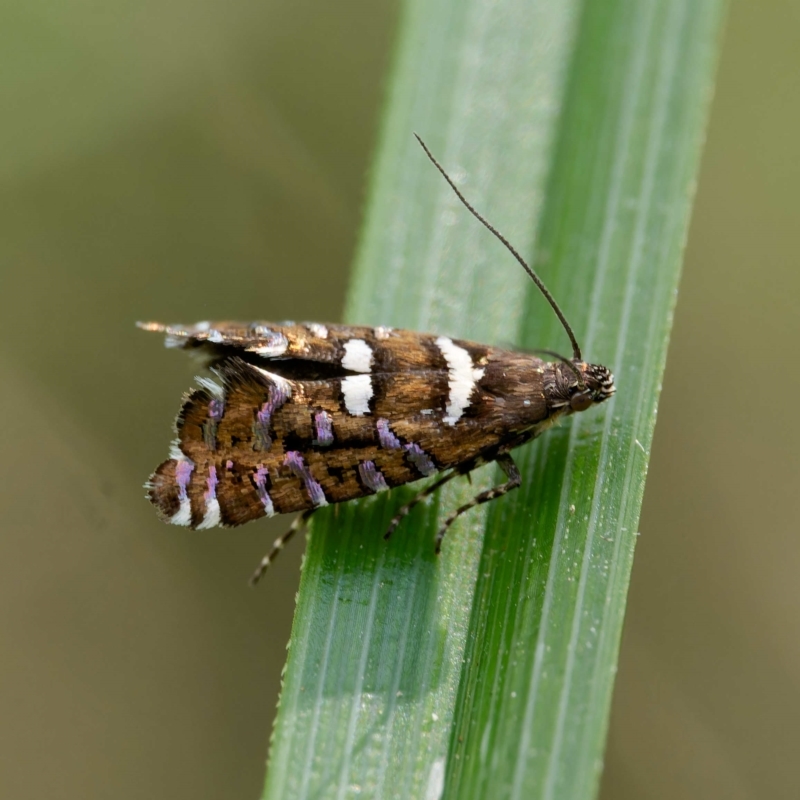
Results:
<point x="579" y="385"/>
<point x="591" y="384"/>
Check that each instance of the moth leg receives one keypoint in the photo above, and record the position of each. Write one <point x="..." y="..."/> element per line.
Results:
<point x="404" y="511"/>
<point x="299" y="523"/>
<point x="508" y="466"/>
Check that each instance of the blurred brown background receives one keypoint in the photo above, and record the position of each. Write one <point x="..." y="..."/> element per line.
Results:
<point x="196" y="159"/>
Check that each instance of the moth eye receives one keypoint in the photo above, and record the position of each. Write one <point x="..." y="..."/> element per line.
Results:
<point x="580" y="401"/>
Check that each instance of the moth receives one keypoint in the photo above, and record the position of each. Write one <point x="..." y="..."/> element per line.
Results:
<point x="305" y="415"/>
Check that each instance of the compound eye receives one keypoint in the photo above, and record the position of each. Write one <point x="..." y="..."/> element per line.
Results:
<point x="580" y="401"/>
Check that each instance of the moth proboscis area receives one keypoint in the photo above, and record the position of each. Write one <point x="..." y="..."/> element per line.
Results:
<point x="308" y="414"/>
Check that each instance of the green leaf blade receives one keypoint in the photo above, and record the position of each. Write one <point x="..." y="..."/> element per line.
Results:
<point x="487" y="671"/>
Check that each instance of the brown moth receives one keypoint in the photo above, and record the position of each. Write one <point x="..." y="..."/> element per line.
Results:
<point x="307" y="414"/>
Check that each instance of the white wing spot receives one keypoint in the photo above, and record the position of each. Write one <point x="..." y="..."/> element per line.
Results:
<point x="282" y="385"/>
<point x="276" y="344"/>
<point x="463" y="376"/>
<point x="183" y="516"/>
<point x="357" y="391"/>
<point x="175" y="451"/>
<point x="318" y="330"/>
<point x="357" y="356"/>
<point x="212" y="516"/>
<point x="212" y="387"/>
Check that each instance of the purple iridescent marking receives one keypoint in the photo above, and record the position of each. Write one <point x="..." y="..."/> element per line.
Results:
<point x="420" y="459"/>
<point x="387" y="439"/>
<point x="229" y="464"/>
<point x="277" y="397"/>
<point x="216" y="408"/>
<point x="261" y="488"/>
<point x="212" y="517"/>
<point x="294" y="461"/>
<point x="183" y="474"/>
<point x="323" y="424"/>
<point x="372" y="476"/>
<point x="211" y="482"/>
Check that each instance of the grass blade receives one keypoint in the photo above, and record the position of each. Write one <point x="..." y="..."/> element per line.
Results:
<point x="549" y="604"/>
<point x="488" y="671"/>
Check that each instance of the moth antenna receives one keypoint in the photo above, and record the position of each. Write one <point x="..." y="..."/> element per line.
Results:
<point x="576" y="350"/>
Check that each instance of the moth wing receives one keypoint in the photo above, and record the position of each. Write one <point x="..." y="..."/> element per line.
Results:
<point x="205" y="482"/>
<point x="258" y="445"/>
<point x="339" y="350"/>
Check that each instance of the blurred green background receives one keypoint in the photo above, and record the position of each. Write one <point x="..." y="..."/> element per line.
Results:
<point x="189" y="160"/>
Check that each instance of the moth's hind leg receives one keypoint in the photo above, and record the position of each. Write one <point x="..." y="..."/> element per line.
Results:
<point x="299" y="523"/>
<point x="406" y="509"/>
<point x="508" y="466"/>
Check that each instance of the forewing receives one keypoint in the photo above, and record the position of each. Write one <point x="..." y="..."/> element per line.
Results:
<point x="290" y="349"/>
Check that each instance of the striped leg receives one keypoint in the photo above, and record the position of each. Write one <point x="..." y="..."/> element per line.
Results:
<point x="508" y="466"/>
<point x="299" y="523"/>
<point x="427" y="492"/>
